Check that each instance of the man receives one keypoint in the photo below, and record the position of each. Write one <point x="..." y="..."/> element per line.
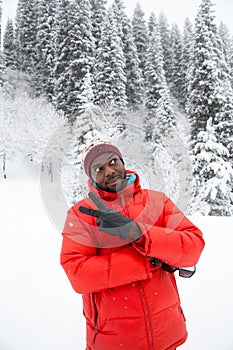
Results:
<point x="120" y="248"/>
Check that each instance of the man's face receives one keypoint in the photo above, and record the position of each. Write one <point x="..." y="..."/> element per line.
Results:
<point x="108" y="171"/>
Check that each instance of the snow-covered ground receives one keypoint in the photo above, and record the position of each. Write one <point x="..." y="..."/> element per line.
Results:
<point x="40" y="311"/>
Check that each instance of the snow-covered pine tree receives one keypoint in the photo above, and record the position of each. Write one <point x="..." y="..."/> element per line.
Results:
<point x="210" y="94"/>
<point x="121" y="19"/>
<point x="186" y="58"/>
<point x="160" y="114"/>
<point x="224" y="120"/>
<point x="110" y="78"/>
<point x="62" y="54"/>
<point x="26" y="29"/>
<point x="77" y="55"/>
<point x="202" y="73"/>
<point x="230" y="62"/>
<point x="81" y="58"/>
<point x="212" y="174"/>
<point x="0" y="23"/>
<point x="165" y="35"/>
<point x="177" y="81"/>
<point x="134" y="82"/>
<point x="151" y="23"/>
<point x="134" y="76"/>
<point x="165" y="146"/>
<point x="45" y="47"/>
<point x="140" y="34"/>
<point x="86" y="96"/>
<point x="1" y="56"/>
<point x="2" y="68"/>
<point x="9" y="53"/>
<point x="98" y="13"/>
<point x="224" y="35"/>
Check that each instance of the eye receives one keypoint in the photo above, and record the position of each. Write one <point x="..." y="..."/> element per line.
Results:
<point x="113" y="161"/>
<point x="98" y="169"/>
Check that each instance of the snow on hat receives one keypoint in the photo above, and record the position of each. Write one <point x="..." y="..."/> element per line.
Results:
<point x="94" y="149"/>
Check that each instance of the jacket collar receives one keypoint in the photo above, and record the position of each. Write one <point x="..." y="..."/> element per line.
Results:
<point x="128" y="191"/>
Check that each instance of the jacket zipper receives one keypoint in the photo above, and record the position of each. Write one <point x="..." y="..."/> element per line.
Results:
<point x="122" y="198"/>
<point x="123" y="205"/>
<point x="95" y="317"/>
<point x="147" y="318"/>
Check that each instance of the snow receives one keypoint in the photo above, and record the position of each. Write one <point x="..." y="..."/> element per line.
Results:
<point x="40" y="311"/>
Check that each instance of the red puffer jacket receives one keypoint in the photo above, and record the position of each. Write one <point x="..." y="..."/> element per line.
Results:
<point x="128" y="303"/>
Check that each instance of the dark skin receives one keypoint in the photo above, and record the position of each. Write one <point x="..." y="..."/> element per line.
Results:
<point x="108" y="171"/>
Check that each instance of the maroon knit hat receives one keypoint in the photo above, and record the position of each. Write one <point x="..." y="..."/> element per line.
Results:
<point x="94" y="149"/>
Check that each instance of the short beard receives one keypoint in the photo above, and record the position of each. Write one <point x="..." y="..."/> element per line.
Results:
<point x="119" y="187"/>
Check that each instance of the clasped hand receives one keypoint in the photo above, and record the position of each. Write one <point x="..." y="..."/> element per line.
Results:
<point x="111" y="221"/>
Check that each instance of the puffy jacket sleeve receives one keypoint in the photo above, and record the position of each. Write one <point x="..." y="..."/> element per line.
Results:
<point x="176" y="241"/>
<point x="90" y="272"/>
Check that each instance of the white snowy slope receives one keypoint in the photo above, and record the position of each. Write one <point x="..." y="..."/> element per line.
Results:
<point x="40" y="311"/>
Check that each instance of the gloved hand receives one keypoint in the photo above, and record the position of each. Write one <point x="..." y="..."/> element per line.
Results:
<point x="111" y="221"/>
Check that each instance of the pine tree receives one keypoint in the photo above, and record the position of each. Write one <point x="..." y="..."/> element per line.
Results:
<point x="98" y="13"/>
<point x="152" y="23"/>
<point x="134" y="82"/>
<point x="212" y="173"/>
<point x="2" y="69"/>
<point x="230" y="62"/>
<point x="62" y="54"/>
<point x="160" y="124"/>
<point x="86" y="96"/>
<point x="81" y="53"/>
<point x="160" y="113"/>
<point x="1" y="56"/>
<point x="121" y="19"/>
<point x="45" y="47"/>
<point x="177" y="84"/>
<point x="140" y="34"/>
<point x="9" y="53"/>
<point x="210" y="93"/>
<point x="165" y="35"/>
<point x="110" y="79"/>
<point x="77" y="57"/>
<point x="224" y="35"/>
<point x="186" y="58"/>
<point x="26" y="29"/>
<point x="0" y="23"/>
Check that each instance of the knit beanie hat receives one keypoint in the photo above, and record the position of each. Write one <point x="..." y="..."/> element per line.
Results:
<point x="94" y="149"/>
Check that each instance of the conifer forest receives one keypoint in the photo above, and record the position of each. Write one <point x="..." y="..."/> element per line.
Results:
<point x="74" y="69"/>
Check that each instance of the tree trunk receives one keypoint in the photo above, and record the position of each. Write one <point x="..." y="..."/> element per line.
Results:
<point x="50" y="169"/>
<point x="4" y="165"/>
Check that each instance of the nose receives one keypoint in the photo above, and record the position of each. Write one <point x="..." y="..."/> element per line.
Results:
<point x="109" y="171"/>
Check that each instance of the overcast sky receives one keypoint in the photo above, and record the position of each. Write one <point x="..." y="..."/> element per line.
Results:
<point x="175" y="10"/>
